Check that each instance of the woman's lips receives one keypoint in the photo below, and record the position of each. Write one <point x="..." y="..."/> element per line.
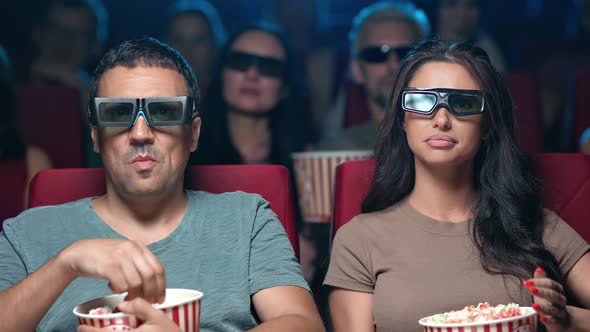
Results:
<point x="441" y="141"/>
<point x="250" y="91"/>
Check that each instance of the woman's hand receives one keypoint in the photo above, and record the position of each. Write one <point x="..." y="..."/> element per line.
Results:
<point x="154" y="320"/>
<point x="549" y="301"/>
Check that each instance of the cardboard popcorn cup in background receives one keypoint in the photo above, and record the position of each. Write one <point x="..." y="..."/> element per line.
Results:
<point x="314" y="177"/>
<point x="183" y="306"/>
<point x="527" y="322"/>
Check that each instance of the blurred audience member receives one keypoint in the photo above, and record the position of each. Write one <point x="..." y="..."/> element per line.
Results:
<point x="315" y="53"/>
<point x="195" y="29"/>
<point x="553" y="69"/>
<point x="459" y="20"/>
<point x="28" y="160"/>
<point x="381" y="36"/>
<point x="252" y="111"/>
<point x="585" y="142"/>
<point x="68" y="37"/>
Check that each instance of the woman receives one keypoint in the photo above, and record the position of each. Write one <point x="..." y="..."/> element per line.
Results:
<point x="19" y="161"/>
<point x="253" y="113"/>
<point x="453" y="216"/>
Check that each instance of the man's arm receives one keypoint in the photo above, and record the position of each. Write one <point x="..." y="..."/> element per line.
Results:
<point x="128" y="266"/>
<point x="286" y="308"/>
<point x="32" y="297"/>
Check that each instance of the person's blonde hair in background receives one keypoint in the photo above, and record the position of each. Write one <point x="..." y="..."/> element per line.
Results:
<point x="380" y="37"/>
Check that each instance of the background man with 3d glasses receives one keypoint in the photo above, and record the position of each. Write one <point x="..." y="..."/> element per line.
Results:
<point x="381" y="36"/>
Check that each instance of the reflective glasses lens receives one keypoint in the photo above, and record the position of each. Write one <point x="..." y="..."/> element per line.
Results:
<point x="115" y="112"/>
<point x="241" y="61"/>
<point x="465" y="103"/>
<point x="419" y="102"/>
<point x="165" y="111"/>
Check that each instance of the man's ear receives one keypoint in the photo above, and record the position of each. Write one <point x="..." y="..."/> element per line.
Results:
<point x="94" y="135"/>
<point x="357" y="71"/>
<point x="196" y="132"/>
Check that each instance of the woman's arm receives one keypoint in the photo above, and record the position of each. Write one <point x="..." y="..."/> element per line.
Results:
<point x="578" y="282"/>
<point x="351" y="311"/>
<point x="550" y="300"/>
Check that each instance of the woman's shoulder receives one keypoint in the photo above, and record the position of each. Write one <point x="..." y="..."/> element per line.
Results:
<point x="374" y="222"/>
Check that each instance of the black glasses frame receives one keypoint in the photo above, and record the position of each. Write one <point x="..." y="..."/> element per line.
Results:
<point x="267" y="66"/>
<point x="141" y="106"/>
<point x="380" y="53"/>
<point x="442" y="99"/>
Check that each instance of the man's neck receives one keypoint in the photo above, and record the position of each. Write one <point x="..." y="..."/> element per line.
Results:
<point x="145" y="219"/>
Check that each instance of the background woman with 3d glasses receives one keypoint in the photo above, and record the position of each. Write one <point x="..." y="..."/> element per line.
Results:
<point x="454" y="215"/>
<point x="254" y="112"/>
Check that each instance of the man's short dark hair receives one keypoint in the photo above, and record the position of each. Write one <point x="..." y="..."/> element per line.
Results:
<point x="146" y="52"/>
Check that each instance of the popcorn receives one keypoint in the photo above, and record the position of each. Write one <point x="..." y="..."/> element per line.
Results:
<point x="483" y="312"/>
<point x="106" y="310"/>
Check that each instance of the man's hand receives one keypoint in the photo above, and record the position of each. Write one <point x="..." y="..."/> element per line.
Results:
<point x="129" y="266"/>
<point x="154" y="320"/>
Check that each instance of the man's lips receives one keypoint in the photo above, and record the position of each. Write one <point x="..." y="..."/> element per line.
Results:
<point x="143" y="163"/>
<point x="441" y="141"/>
<point x="142" y="158"/>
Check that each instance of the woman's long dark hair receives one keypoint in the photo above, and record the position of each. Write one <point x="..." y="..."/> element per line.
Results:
<point x="508" y="214"/>
<point x="288" y="120"/>
<point x="11" y="144"/>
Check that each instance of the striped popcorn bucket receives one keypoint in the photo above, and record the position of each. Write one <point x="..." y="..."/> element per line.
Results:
<point x="314" y="176"/>
<point x="182" y="306"/>
<point x="524" y="323"/>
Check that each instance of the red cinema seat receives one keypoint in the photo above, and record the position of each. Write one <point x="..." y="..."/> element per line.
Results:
<point x="13" y="176"/>
<point x="50" y="117"/>
<point x="525" y="98"/>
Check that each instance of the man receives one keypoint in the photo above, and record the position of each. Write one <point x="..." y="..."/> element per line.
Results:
<point x="194" y="28"/>
<point x="146" y="233"/>
<point x="381" y="36"/>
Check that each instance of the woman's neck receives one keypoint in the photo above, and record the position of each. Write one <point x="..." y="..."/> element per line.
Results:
<point x="443" y="193"/>
<point x="247" y="132"/>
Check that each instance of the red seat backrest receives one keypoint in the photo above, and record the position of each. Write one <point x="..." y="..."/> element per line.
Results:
<point x="50" y="117"/>
<point x="581" y="111"/>
<point x="525" y="97"/>
<point x="566" y="180"/>
<point x="13" y="177"/>
<point x="272" y="182"/>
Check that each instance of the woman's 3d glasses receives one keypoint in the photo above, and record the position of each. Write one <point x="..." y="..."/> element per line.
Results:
<point x="266" y="66"/>
<point x="124" y="112"/>
<point x="459" y="102"/>
<point x="380" y="54"/>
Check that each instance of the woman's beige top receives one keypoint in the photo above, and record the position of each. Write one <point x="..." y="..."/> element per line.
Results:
<point x="416" y="266"/>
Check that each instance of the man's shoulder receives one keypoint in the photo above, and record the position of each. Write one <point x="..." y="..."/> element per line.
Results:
<point x="227" y="202"/>
<point x="47" y="214"/>
<point x="231" y="196"/>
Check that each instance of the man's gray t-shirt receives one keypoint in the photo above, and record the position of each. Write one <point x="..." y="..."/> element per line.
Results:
<point x="228" y="246"/>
